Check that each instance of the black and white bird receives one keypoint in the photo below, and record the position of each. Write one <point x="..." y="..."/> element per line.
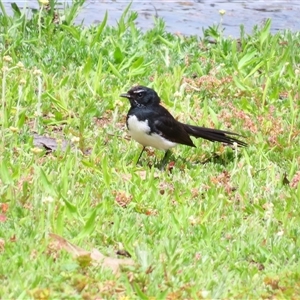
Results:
<point x="150" y="124"/>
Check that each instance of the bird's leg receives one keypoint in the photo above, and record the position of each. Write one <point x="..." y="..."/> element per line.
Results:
<point x="165" y="160"/>
<point x="140" y="155"/>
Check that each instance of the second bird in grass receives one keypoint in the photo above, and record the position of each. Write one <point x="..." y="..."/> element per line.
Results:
<point x="150" y="124"/>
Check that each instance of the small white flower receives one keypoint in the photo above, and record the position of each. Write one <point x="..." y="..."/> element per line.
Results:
<point x="13" y="129"/>
<point x="75" y="139"/>
<point x="37" y="114"/>
<point x="20" y="65"/>
<point x="22" y="82"/>
<point x="4" y="69"/>
<point x="177" y="94"/>
<point x="47" y="199"/>
<point x="36" y="150"/>
<point x="44" y="2"/>
<point x="280" y="233"/>
<point x="193" y="220"/>
<point x="37" y="72"/>
<point x="7" y="58"/>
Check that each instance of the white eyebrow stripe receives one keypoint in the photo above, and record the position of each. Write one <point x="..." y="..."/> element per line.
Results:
<point x="138" y="91"/>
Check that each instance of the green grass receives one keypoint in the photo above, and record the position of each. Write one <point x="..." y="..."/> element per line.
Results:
<point x="226" y="228"/>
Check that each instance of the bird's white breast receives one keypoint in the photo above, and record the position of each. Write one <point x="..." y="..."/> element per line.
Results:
<point x="139" y="131"/>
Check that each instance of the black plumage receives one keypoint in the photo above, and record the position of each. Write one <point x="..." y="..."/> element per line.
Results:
<point x="151" y="124"/>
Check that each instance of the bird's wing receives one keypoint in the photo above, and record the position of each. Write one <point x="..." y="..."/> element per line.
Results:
<point x="172" y="130"/>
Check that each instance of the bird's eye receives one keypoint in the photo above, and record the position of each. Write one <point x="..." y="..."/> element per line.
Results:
<point x="140" y="95"/>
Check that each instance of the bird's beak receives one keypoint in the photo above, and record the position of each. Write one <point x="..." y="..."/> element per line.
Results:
<point x="125" y="96"/>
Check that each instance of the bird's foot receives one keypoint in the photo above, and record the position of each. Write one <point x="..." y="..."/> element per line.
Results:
<point x="164" y="161"/>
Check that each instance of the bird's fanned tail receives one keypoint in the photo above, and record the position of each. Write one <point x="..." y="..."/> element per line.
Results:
<point x="213" y="135"/>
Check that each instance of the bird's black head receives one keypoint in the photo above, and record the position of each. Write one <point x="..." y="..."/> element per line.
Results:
<point x="141" y="96"/>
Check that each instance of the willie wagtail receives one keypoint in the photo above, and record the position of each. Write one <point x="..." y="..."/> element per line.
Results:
<point x="150" y="124"/>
